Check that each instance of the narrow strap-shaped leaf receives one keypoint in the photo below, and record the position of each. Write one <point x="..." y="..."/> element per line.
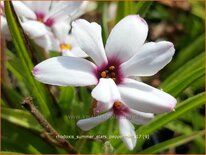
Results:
<point x="189" y="52"/>
<point x="193" y="64"/>
<point x="172" y="143"/>
<point x="37" y="90"/>
<point x="19" y="139"/>
<point x="21" y="118"/>
<point x="180" y="84"/>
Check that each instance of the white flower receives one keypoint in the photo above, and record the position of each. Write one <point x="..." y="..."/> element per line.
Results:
<point x="125" y="55"/>
<point x="35" y="30"/>
<point x="38" y="19"/>
<point x="64" y="42"/>
<point x="109" y="101"/>
<point x="50" y="12"/>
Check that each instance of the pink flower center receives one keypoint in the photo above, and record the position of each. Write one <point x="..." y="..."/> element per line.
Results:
<point x="119" y="109"/>
<point x="111" y="70"/>
<point x="41" y="18"/>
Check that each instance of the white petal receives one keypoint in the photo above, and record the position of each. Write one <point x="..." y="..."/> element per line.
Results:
<point x="61" y="10"/>
<point x="75" y="52"/>
<point x="44" y="42"/>
<point x="87" y="124"/>
<point x="151" y="58"/>
<point x="23" y="10"/>
<point x="61" y="30"/>
<point x="145" y="98"/>
<point x="54" y="43"/>
<point x="86" y="6"/>
<point x="39" y="6"/>
<point x="126" y="38"/>
<point x="106" y="92"/>
<point x="88" y="36"/>
<point x="66" y="71"/>
<point x="34" y="29"/>
<point x="138" y="117"/>
<point x="126" y="130"/>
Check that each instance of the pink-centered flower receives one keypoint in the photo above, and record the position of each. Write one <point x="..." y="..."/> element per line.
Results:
<point x="50" y="12"/>
<point x="124" y="56"/>
<point x="35" y="30"/>
<point x="39" y="19"/>
<point x="64" y="42"/>
<point x="110" y="104"/>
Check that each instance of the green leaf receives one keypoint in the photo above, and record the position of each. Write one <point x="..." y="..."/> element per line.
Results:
<point x="105" y="28"/>
<point x="6" y="152"/>
<point x="12" y="97"/>
<point x="143" y="7"/>
<point x="130" y="7"/>
<point x="17" y="139"/>
<point x="179" y="127"/>
<point x="198" y="8"/>
<point x="193" y="64"/>
<point x="40" y="93"/>
<point x="66" y="98"/>
<point x="21" y="118"/>
<point x="172" y="143"/>
<point x="186" y="54"/>
<point x="177" y="85"/>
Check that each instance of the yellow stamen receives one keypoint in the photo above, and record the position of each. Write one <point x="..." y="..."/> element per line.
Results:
<point x="117" y="104"/>
<point x="65" y="46"/>
<point x="40" y="20"/>
<point x="111" y="68"/>
<point x="103" y="74"/>
<point x="113" y="75"/>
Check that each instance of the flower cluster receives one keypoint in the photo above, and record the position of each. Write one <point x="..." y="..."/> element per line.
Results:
<point x="48" y="23"/>
<point x="117" y="94"/>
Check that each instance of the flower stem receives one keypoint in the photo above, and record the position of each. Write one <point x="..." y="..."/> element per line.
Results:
<point x="51" y="135"/>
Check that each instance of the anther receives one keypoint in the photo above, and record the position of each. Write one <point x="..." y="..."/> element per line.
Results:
<point x="103" y="74"/>
<point x="65" y="46"/>
<point x="117" y="104"/>
<point x="113" y="74"/>
<point x="111" y="68"/>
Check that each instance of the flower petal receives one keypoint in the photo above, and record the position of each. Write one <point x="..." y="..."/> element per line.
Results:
<point x="75" y="52"/>
<point x="61" y="30"/>
<point x="23" y="10"/>
<point x="89" y="123"/>
<point x="39" y="6"/>
<point x="145" y="98"/>
<point x="126" y="38"/>
<point x="86" y="6"/>
<point x="106" y="92"/>
<point x="34" y="29"/>
<point x="61" y="10"/>
<point x="126" y="130"/>
<point x="138" y="117"/>
<point x="151" y="58"/>
<point x="88" y="36"/>
<point x="65" y="71"/>
<point x="44" y="42"/>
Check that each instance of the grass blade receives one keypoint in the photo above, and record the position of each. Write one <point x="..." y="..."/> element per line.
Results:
<point x="172" y="143"/>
